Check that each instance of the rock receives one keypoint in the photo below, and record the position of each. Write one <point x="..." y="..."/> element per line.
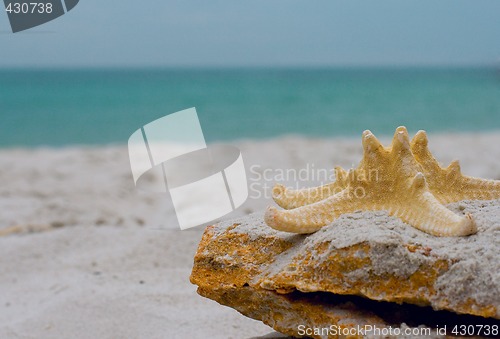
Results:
<point x="326" y="278"/>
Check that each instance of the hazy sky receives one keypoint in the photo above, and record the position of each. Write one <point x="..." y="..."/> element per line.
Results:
<point x="260" y="33"/>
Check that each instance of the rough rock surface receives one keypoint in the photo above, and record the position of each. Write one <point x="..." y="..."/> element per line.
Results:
<point x="259" y="271"/>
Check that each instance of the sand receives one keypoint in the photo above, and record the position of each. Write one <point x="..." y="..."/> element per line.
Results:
<point x="85" y="255"/>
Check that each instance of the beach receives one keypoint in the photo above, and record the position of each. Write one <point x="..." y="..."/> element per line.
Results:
<point x="86" y="255"/>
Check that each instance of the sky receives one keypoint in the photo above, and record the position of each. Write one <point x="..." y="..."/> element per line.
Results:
<point x="260" y="33"/>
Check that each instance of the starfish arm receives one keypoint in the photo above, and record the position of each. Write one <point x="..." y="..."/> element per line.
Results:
<point x="289" y="198"/>
<point x="470" y="188"/>
<point x="427" y="214"/>
<point x="310" y="218"/>
<point x="449" y="184"/>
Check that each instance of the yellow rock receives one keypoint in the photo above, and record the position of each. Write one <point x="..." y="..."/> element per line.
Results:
<point x="286" y="279"/>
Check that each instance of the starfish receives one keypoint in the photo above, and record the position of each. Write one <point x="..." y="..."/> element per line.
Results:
<point x="403" y="179"/>
<point x="447" y="184"/>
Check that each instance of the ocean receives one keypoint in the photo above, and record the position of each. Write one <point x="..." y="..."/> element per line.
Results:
<point x="98" y="106"/>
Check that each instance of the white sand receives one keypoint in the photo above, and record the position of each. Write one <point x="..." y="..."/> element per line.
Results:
<point x="84" y="255"/>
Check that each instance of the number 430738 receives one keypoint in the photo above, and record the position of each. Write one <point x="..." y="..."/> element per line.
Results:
<point x="29" y="7"/>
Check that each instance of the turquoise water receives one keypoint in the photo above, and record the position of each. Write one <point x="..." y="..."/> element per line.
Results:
<point x="61" y="107"/>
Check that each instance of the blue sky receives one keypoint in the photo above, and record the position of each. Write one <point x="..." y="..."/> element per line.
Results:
<point x="206" y="33"/>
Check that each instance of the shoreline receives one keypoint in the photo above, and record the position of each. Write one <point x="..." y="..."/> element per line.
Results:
<point x="290" y="136"/>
